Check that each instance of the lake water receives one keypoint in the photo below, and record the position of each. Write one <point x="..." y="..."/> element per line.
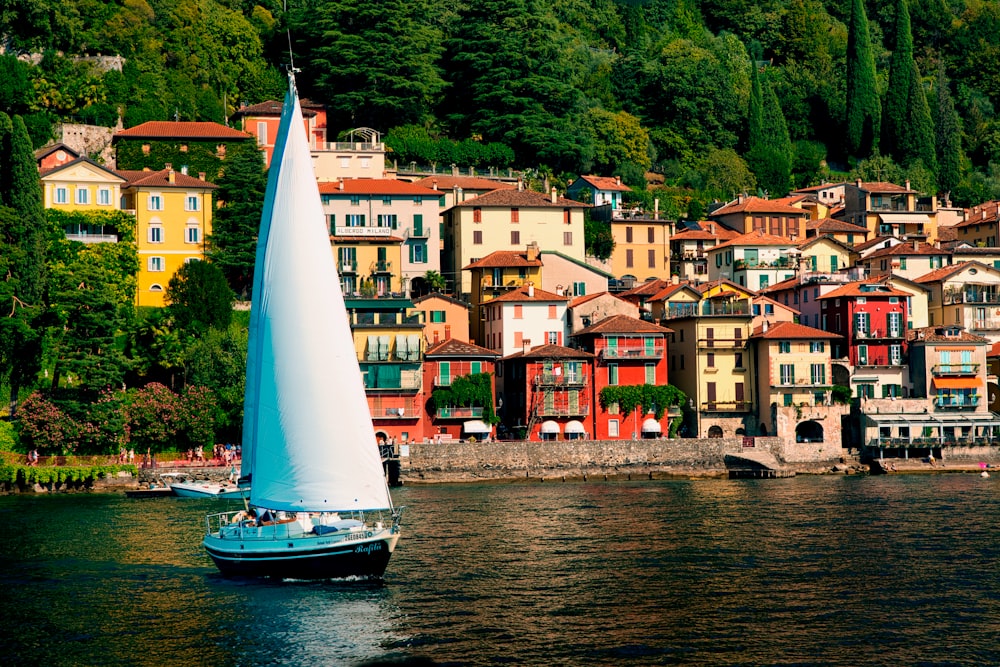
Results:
<point x="891" y="570"/>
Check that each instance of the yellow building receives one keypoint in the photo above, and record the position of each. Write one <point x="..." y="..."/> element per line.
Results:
<point x="965" y="295"/>
<point x="887" y="209"/>
<point x="642" y="248"/>
<point x="81" y="185"/>
<point x="826" y="254"/>
<point x="173" y="214"/>
<point x="508" y="220"/>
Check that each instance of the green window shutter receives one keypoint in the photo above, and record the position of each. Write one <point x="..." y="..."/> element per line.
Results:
<point x="418" y="224"/>
<point x="411" y="254"/>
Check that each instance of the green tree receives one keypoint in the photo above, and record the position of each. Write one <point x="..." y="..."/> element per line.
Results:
<point x="435" y="281"/>
<point x="376" y="64"/>
<point x="154" y="417"/>
<point x="619" y="140"/>
<point x="232" y="247"/>
<point x="724" y="174"/>
<point x="947" y="136"/>
<point x="217" y="361"/>
<point x="598" y="240"/>
<point x="199" y="298"/>
<point x="770" y="154"/>
<point x="864" y="110"/>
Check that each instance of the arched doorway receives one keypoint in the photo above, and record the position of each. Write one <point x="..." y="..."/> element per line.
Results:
<point x="809" y="431"/>
<point x="419" y="287"/>
<point x="715" y="432"/>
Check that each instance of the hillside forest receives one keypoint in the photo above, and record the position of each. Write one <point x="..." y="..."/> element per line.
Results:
<point x="716" y="96"/>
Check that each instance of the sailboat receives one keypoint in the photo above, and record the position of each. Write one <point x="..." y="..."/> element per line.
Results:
<point x="319" y="504"/>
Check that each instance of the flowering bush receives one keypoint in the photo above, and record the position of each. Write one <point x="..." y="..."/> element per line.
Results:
<point x="43" y="426"/>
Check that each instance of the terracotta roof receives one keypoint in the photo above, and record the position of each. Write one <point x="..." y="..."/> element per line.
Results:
<point x="787" y="330"/>
<point x="48" y="150"/>
<point x="982" y="214"/>
<point x="521" y="294"/>
<point x="874" y="242"/>
<point x="622" y="324"/>
<point x="503" y="258"/>
<point x="905" y="249"/>
<point x="935" y="335"/>
<point x="519" y="198"/>
<point x="648" y="288"/>
<point x="445" y="183"/>
<point x="826" y="237"/>
<point x="756" y="237"/>
<point x="161" y="179"/>
<point x="756" y="205"/>
<point x="882" y="186"/>
<point x="606" y="183"/>
<point x="994" y="350"/>
<point x="855" y="289"/>
<point x="761" y="298"/>
<point x="964" y="249"/>
<point x="551" y="352"/>
<point x="268" y="108"/>
<point x="161" y="129"/>
<point x="817" y="188"/>
<point x="670" y="290"/>
<point x="375" y="186"/>
<point x="829" y="226"/>
<point x="457" y="348"/>
<point x="580" y="300"/>
<point x="75" y="161"/>
<point x="791" y="199"/>
<point x="721" y="233"/>
<point x="784" y="284"/>
<point x="438" y="295"/>
<point x="943" y="272"/>
<point x="946" y="233"/>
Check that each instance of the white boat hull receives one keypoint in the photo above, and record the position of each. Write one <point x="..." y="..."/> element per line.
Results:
<point x="207" y="490"/>
<point x="291" y="550"/>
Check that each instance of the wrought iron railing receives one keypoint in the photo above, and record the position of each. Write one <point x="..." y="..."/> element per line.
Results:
<point x="955" y="369"/>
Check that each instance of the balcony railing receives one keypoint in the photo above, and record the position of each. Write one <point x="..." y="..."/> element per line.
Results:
<point x="956" y="402"/>
<point x="883" y="361"/>
<point x="723" y="343"/>
<point x="458" y="413"/>
<point x="421" y="233"/>
<point x="553" y="380"/>
<point x="726" y="406"/>
<point x="879" y="334"/>
<point x="707" y="308"/>
<point x="801" y="383"/>
<point x="581" y="410"/>
<point x="688" y="256"/>
<point x="986" y="325"/>
<point x="970" y="295"/>
<point x="779" y="263"/>
<point x="392" y="408"/>
<point x="93" y="238"/>
<point x="923" y="442"/>
<point x="380" y="266"/>
<point x="955" y="369"/>
<point x="348" y="266"/>
<point x="637" y="352"/>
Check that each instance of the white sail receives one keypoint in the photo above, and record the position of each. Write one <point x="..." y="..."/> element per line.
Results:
<point x="308" y="441"/>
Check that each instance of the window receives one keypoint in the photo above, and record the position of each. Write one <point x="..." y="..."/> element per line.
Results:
<point x="567" y="238"/>
<point x="628" y="235"/>
<point x="769" y="309"/>
<point x="738" y="360"/>
<point x="355" y="200"/>
<point x="518" y="311"/>
<point x="155" y="202"/>
<point x="784" y="346"/>
<point x="477" y="237"/>
<point x="552" y="311"/>
<point x="104" y="197"/>
<point x="191" y="203"/>
<point x="82" y="196"/>
<point x="155" y="234"/>
<point x="261" y="133"/>
<point x="566" y="218"/>
<point x="552" y="337"/>
<point x="418" y="253"/>
<point x="787" y="372"/>
<point x="155" y="264"/>
<point x="862" y="355"/>
<point x="515" y="238"/>
<point x="437" y="316"/>
<point x="895" y="321"/>
<point x="861" y="324"/>
<point x="477" y="214"/>
<point x="817" y="346"/>
<point x="612" y="428"/>
<point x="895" y="355"/>
<point x="612" y="373"/>
<point x="651" y="374"/>
<point x="629" y="262"/>
<point x="650" y="235"/>
<point x="386" y="221"/>
<point x="387" y="200"/>
<point x="710" y="360"/>
<point x="192" y="234"/>
<point x="651" y="258"/>
<point x="61" y="196"/>
<point x="579" y="288"/>
<point x="515" y="215"/>
<point x="817" y="373"/>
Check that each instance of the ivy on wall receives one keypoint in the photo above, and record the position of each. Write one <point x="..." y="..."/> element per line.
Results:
<point x="650" y="397"/>
<point x="200" y="156"/>
<point x="475" y="390"/>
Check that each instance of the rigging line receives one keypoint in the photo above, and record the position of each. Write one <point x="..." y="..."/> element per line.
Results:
<point x="288" y="33"/>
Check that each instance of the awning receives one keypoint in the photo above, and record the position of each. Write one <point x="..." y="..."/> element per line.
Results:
<point x="905" y="218"/>
<point x="857" y="379"/>
<point x="574" y="426"/>
<point x="476" y="426"/>
<point x="549" y="426"/>
<point x="957" y="383"/>
<point x="651" y="426"/>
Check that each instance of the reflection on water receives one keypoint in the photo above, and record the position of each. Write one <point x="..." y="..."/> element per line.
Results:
<point x="895" y="570"/>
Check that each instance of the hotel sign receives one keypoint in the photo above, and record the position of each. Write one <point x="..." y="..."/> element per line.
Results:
<point x="363" y="231"/>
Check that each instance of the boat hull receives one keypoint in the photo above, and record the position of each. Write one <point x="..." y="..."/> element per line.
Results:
<point x="210" y="490"/>
<point x="302" y="557"/>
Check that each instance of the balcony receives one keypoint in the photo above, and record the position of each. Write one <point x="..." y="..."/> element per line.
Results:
<point x="723" y="343"/>
<point x="419" y="232"/>
<point x="380" y="266"/>
<point x="986" y="325"/>
<point x="688" y="256"/>
<point x="971" y="294"/>
<point x="347" y="266"/>
<point x="955" y="369"/>
<point x="553" y="380"/>
<point x="879" y="334"/>
<point x="458" y="413"/>
<point x="92" y="238"/>
<point x="882" y="361"/>
<point x="726" y="406"/>
<point x="801" y="383"/>
<point x="956" y="402"/>
<point x="707" y="308"/>
<point x="636" y="352"/>
<point x="779" y="263"/>
<point x="581" y="410"/>
<point x="392" y="409"/>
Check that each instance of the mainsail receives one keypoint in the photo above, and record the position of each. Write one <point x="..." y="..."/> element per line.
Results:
<point x="308" y="441"/>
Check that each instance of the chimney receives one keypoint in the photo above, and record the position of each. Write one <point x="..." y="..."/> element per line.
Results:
<point x="559" y="290"/>
<point x="171" y="176"/>
<point x="434" y="184"/>
<point x="447" y="332"/>
<point x="656" y="208"/>
<point x="168" y="166"/>
<point x="618" y="180"/>
<point x="554" y="198"/>
<point x="907" y="184"/>
<point x="675" y="279"/>
<point x="520" y="185"/>
<point x="858" y="183"/>
<point x="711" y="228"/>
<point x="201" y="176"/>
<point x="437" y="336"/>
<point x="340" y="184"/>
<point x="531" y="290"/>
<point x="458" y="195"/>
<point x="532" y="254"/>
<point x="916" y="243"/>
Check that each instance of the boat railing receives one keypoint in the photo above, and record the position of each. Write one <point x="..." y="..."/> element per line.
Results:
<point x="215" y="522"/>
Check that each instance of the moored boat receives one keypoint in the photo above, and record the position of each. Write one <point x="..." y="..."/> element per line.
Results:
<point x="321" y="507"/>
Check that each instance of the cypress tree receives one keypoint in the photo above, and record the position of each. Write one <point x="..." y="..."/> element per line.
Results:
<point x="864" y="111"/>
<point x="770" y="154"/>
<point x="907" y="131"/>
<point x="948" y="136"/>
<point x="755" y="119"/>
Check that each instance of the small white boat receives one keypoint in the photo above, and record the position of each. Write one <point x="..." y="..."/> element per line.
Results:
<point x="207" y="489"/>
<point x="320" y="502"/>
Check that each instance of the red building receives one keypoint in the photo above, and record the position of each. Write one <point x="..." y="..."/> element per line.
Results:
<point x="443" y="363"/>
<point x="547" y="393"/>
<point x="262" y="120"/>
<point x="872" y="318"/>
<point x="627" y="351"/>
